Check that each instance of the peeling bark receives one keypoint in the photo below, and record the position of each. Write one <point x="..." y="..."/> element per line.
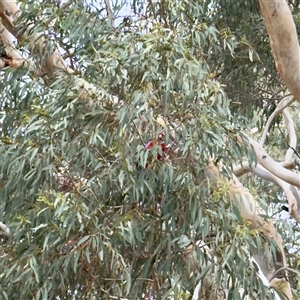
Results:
<point x="54" y="63"/>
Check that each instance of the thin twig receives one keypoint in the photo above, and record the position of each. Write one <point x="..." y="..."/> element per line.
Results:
<point x="139" y="134"/>
<point x="109" y="12"/>
<point x="295" y="151"/>
<point x="285" y="269"/>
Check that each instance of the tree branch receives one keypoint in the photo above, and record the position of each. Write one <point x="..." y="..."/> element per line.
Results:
<point x="284" y="42"/>
<point x="109" y="12"/>
<point x="53" y="64"/>
<point x="5" y="233"/>
<point x="8" y="41"/>
<point x="292" y="135"/>
<point x="274" y="167"/>
<point x="251" y="212"/>
<point x="197" y="291"/>
<point x="285" y="102"/>
<point x="286" y="269"/>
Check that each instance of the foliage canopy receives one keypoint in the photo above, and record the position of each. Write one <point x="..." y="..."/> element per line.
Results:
<point x="92" y="213"/>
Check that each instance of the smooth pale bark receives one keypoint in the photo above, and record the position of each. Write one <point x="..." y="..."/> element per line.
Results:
<point x="276" y="172"/>
<point x="250" y="212"/>
<point x="290" y="191"/>
<point x="292" y="136"/>
<point x="4" y="231"/>
<point x="273" y="171"/>
<point x="288" y="180"/>
<point x="274" y="167"/>
<point x="281" y="107"/>
<point x="284" y="42"/>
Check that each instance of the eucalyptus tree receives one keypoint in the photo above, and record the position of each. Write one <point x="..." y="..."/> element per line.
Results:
<point x="125" y="127"/>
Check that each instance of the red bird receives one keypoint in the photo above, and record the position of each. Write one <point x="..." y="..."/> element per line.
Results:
<point x="155" y="141"/>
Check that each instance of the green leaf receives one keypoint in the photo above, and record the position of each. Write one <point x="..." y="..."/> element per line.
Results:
<point x="204" y="271"/>
<point x="34" y="267"/>
<point x="76" y="258"/>
<point x="84" y="239"/>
